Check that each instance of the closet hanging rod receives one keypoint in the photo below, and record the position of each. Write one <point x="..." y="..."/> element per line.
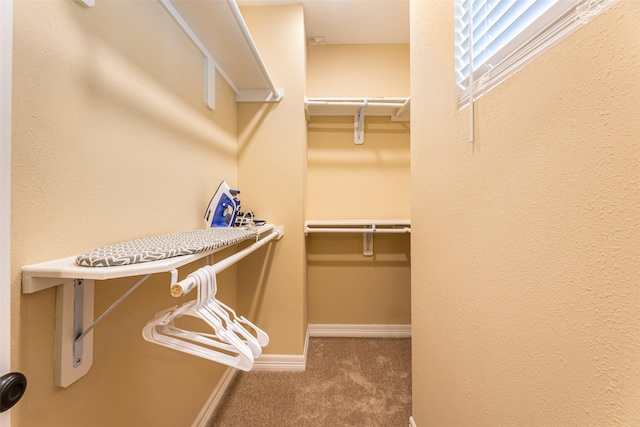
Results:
<point x="357" y="230"/>
<point x="395" y="222"/>
<point x="185" y="286"/>
<point x="362" y="103"/>
<point x="235" y="10"/>
<point x="359" y="226"/>
<point x="370" y="99"/>
<point x="397" y="109"/>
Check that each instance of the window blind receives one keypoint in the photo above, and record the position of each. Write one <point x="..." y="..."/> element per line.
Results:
<point x="508" y="34"/>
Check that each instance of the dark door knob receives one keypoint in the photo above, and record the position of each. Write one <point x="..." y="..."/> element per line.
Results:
<point x="12" y="387"/>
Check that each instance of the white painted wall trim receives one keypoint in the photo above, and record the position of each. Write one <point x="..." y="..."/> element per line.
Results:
<point x="360" y="331"/>
<point x="283" y="362"/>
<point x="6" y="43"/>
<point x="411" y="422"/>
<point x="216" y="397"/>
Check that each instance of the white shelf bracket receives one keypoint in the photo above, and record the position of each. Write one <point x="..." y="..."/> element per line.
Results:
<point x="358" y="124"/>
<point x="367" y="241"/>
<point x="88" y="3"/>
<point x="210" y="66"/>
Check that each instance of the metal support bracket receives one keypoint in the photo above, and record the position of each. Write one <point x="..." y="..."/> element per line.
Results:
<point x="358" y="125"/>
<point x="79" y="332"/>
<point x="78" y="323"/>
<point x="367" y="241"/>
<point x="74" y="309"/>
<point x="73" y="339"/>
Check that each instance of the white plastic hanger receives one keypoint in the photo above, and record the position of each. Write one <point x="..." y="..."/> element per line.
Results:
<point x="229" y="315"/>
<point x="208" y="279"/>
<point x="218" y="347"/>
<point x="230" y="343"/>
<point x="260" y="335"/>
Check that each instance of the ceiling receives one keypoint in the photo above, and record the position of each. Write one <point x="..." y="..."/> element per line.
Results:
<point x="351" y="21"/>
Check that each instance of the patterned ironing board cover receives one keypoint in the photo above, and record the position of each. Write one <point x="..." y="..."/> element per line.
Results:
<point x="161" y="247"/>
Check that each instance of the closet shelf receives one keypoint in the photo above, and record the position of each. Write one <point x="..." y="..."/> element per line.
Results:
<point x="220" y="33"/>
<point x="365" y="227"/>
<point x="398" y="109"/>
<point x="358" y="225"/>
<point x="218" y="29"/>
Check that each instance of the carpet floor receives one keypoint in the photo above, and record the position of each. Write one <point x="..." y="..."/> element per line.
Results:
<point x="349" y="382"/>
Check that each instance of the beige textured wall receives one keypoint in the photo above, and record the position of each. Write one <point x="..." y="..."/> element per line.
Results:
<point x="348" y="181"/>
<point x="345" y="180"/>
<point x="111" y="141"/>
<point x="525" y="297"/>
<point x="358" y="70"/>
<point x="346" y="287"/>
<point x="272" y="171"/>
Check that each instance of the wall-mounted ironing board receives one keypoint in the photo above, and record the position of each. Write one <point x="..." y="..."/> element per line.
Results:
<point x="75" y="285"/>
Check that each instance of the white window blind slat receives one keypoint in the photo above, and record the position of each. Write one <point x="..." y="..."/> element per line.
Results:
<point x="507" y="34"/>
<point x="487" y="31"/>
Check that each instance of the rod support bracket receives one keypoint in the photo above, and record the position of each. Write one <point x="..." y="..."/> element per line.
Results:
<point x="358" y="125"/>
<point x="367" y="241"/>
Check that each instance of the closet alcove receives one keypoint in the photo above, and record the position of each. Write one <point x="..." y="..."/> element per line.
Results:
<point x="358" y="177"/>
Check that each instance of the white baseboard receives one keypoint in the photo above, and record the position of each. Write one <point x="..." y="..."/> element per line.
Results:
<point x="411" y="422"/>
<point x="216" y="396"/>
<point x="360" y="331"/>
<point x="283" y="362"/>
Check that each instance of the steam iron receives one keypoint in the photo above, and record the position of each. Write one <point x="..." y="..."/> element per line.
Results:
<point x="223" y="207"/>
